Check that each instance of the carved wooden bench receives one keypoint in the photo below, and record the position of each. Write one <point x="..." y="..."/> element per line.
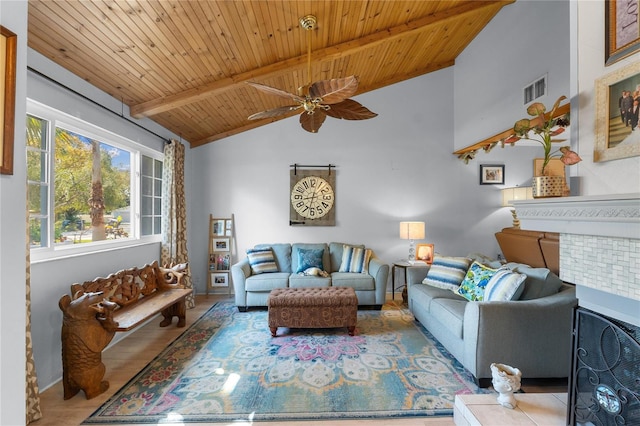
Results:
<point x="99" y="308"/>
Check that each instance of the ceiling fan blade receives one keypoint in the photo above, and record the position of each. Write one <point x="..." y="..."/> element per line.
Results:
<point x="350" y="110"/>
<point x="334" y="90"/>
<point x="275" y="112"/>
<point x="277" y="92"/>
<point x="312" y="122"/>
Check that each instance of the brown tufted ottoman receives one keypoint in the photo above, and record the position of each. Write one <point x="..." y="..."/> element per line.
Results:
<point x="315" y="307"/>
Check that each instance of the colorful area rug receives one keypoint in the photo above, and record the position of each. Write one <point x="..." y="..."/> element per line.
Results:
<point x="227" y="367"/>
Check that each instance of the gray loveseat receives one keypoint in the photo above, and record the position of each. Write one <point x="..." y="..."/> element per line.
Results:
<point x="252" y="289"/>
<point x="532" y="333"/>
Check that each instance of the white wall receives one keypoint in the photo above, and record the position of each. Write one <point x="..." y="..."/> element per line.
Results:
<point x="397" y="166"/>
<point x="13" y="15"/>
<point x="525" y="40"/>
<point x="610" y="177"/>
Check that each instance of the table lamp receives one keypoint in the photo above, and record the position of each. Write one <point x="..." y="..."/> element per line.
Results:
<point x="509" y="195"/>
<point x="412" y="231"/>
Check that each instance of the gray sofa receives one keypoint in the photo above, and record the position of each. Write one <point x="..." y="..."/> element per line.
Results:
<point x="252" y="289"/>
<point x="532" y="333"/>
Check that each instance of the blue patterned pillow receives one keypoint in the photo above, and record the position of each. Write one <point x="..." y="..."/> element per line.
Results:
<point x="355" y="259"/>
<point x="475" y="281"/>
<point x="262" y="260"/>
<point x="447" y="272"/>
<point x="504" y="285"/>
<point x="309" y="258"/>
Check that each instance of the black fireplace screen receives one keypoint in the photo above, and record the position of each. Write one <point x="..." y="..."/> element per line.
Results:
<point x="604" y="388"/>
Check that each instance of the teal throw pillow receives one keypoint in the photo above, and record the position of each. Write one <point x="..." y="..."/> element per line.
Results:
<point x="355" y="259"/>
<point x="504" y="285"/>
<point x="262" y="260"/>
<point x="447" y="272"/>
<point x="309" y="258"/>
<point x="475" y="282"/>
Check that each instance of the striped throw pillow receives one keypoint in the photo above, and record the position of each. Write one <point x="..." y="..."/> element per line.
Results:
<point x="504" y="285"/>
<point x="262" y="260"/>
<point x="447" y="272"/>
<point x="355" y="259"/>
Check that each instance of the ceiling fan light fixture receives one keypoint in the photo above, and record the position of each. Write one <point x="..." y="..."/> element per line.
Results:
<point x="317" y="100"/>
<point x="308" y="22"/>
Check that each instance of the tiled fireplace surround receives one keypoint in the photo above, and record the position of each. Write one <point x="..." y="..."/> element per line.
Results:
<point x="599" y="248"/>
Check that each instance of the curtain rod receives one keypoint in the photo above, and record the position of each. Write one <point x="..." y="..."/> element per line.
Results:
<point x="86" y="98"/>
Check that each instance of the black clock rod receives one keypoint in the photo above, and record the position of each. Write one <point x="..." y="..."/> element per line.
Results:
<point x="322" y="166"/>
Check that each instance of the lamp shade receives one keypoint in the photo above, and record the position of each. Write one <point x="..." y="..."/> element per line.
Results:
<point x="412" y="230"/>
<point x="509" y="195"/>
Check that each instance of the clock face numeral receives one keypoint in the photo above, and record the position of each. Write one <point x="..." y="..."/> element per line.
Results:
<point x="312" y="197"/>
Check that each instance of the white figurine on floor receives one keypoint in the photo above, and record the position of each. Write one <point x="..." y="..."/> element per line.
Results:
<point x="506" y="381"/>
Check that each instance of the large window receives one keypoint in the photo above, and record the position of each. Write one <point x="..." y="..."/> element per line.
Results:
<point x="87" y="187"/>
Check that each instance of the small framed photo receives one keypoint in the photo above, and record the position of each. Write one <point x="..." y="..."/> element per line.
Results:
<point x="218" y="227"/>
<point x="424" y="253"/>
<point x="491" y="174"/>
<point x="220" y="244"/>
<point x="220" y="279"/>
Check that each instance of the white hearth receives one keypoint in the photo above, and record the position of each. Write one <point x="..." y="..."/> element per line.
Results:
<point x="599" y="248"/>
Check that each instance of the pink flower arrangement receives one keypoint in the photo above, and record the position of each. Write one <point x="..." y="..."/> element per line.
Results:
<point x="544" y="128"/>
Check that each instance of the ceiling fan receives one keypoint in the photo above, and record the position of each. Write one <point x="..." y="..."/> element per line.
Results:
<point x="319" y="99"/>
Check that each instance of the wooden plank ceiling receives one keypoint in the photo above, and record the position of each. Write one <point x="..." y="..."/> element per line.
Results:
<point x="185" y="64"/>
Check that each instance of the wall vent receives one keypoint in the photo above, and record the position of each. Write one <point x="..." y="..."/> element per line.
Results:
<point x="535" y="90"/>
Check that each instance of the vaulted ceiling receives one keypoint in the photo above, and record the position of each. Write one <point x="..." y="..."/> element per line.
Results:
<point x="186" y="64"/>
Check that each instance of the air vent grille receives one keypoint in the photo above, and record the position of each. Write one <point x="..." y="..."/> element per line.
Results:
<point x="535" y="90"/>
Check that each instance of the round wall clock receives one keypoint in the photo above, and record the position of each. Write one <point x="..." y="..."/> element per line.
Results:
<point x="312" y="198"/>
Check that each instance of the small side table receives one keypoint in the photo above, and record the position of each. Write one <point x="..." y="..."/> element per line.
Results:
<point x="402" y="264"/>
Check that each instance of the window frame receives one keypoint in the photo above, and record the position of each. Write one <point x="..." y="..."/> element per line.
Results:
<point x="59" y="119"/>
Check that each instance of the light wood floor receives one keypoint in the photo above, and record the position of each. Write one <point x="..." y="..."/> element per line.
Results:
<point x="127" y="357"/>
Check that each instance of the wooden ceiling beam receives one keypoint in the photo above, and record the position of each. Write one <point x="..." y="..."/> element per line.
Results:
<point x="169" y="102"/>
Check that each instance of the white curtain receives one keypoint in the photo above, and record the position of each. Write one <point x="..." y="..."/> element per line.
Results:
<point x="174" y="212"/>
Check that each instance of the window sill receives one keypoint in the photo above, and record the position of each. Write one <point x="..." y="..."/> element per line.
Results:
<point x="62" y="252"/>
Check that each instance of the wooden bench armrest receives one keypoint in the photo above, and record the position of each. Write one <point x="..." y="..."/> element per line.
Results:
<point x="171" y="278"/>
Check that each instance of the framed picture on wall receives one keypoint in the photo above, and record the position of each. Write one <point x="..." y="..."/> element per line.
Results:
<point x="8" y="49"/>
<point x="491" y="174"/>
<point x="617" y="132"/>
<point x="424" y="252"/>
<point x="622" y="33"/>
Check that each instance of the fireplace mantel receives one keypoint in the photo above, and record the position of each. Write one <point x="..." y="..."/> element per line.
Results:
<point x="599" y="247"/>
<point x="615" y="215"/>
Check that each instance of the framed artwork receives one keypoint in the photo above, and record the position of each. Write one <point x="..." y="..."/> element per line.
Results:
<point x="220" y="279"/>
<point x="218" y="227"/>
<point x="554" y="168"/>
<point x="8" y="48"/>
<point x="622" y="33"/>
<point x="228" y="226"/>
<point x="220" y="244"/>
<point x="491" y="174"/>
<point x="424" y="252"/>
<point x="617" y="134"/>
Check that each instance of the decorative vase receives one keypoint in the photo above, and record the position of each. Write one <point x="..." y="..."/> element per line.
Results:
<point x="548" y="186"/>
<point x="506" y="381"/>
